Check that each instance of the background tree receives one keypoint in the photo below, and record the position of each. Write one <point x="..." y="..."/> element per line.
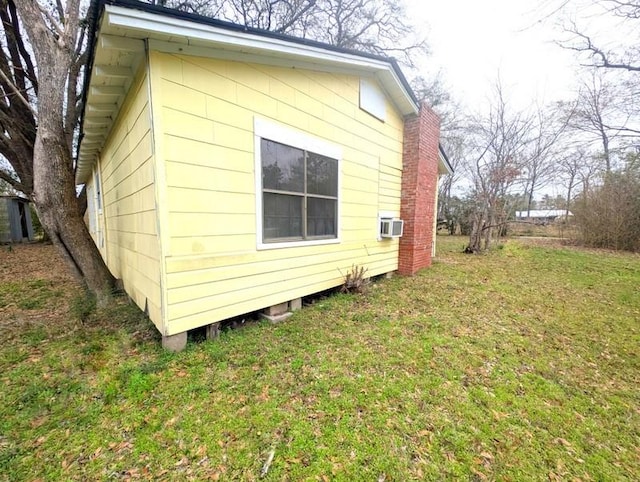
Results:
<point x="609" y="216"/>
<point x="375" y="26"/>
<point x="498" y="142"/>
<point x="18" y="88"/>
<point x="569" y="169"/>
<point x="449" y="211"/>
<point x="56" y="37"/>
<point x="607" y="111"/>
<point x="540" y="166"/>
<point x="619" y="57"/>
<point x="460" y="210"/>
<point x="597" y="113"/>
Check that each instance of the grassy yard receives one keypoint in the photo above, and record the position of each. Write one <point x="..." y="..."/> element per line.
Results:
<point x="523" y="364"/>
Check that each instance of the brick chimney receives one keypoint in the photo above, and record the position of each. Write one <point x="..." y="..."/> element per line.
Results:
<point x="419" y="189"/>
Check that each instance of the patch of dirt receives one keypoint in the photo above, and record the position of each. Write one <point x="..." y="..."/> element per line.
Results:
<point x="22" y="265"/>
<point x="32" y="261"/>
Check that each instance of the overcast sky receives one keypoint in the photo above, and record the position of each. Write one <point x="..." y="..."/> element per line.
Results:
<point x="472" y="41"/>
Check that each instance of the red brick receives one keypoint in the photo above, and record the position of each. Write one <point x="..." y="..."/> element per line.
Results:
<point x="419" y="185"/>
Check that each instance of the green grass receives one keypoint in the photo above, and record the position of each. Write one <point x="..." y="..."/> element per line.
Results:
<point x="522" y="364"/>
<point x="29" y="295"/>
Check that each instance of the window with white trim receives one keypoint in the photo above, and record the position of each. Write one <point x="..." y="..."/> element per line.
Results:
<point x="299" y="193"/>
<point x="298" y="187"/>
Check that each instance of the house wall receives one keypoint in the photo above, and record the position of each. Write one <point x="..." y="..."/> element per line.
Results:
<point x="204" y="112"/>
<point x="128" y="219"/>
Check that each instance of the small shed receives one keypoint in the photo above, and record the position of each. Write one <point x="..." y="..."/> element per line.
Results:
<point x="15" y="220"/>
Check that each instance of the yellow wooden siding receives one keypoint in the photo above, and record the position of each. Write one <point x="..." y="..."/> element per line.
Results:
<point x="127" y="166"/>
<point x="207" y="109"/>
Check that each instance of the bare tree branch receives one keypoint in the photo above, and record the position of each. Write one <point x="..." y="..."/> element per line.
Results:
<point x="12" y="181"/>
<point x="602" y="58"/>
<point x="25" y="57"/>
<point x="17" y="92"/>
<point x="52" y="22"/>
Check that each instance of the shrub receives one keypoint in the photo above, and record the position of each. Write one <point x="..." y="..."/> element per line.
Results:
<point x="608" y="216"/>
<point x="355" y="280"/>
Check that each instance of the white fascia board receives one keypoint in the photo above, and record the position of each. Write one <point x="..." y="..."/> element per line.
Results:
<point x="443" y="166"/>
<point x="161" y="27"/>
<point x="395" y="89"/>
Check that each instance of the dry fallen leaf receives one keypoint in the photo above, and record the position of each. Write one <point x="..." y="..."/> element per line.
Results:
<point x="561" y="441"/>
<point x="479" y="474"/>
<point x="171" y="421"/>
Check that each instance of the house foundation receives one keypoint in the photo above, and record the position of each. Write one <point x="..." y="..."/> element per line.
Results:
<point x="295" y="305"/>
<point x="280" y="312"/>
<point x="213" y="331"/>
<point x="175" y="343"/>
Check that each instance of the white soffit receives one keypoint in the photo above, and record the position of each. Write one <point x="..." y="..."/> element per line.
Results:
<point x="444" y="167"/>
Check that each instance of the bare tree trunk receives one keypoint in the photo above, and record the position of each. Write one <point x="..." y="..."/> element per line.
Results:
<point x="474" y="237"/>
<point x="54" y="183"/>
<point x="607" y="152"/>
<point x="477" y="231"/>
<point x="529" y="202"/>
<point x="55" y="196"/>
<point x="59" y="213"/>
<point x="569" y="189"/>
<point x="488" y="229"/>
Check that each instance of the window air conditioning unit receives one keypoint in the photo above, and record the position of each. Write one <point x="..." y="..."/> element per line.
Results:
<point x="391" y="228"/>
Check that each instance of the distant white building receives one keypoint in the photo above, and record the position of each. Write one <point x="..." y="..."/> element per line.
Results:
<point x="542" y="215"/>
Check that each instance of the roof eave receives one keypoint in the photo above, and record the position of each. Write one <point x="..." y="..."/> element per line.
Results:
<point x="444" y="166"/>
<point x="124" y="21"/>
<point x="196" y="30"/>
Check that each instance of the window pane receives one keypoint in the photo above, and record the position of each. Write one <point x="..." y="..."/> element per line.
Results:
<point x="282" y="216"/>
<point x="322" y="175"/>
<point x="321" y="217"/>
<point x="282" y="167"/>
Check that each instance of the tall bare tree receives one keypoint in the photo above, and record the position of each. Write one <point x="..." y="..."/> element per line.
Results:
<point x="607" y="104"/>
<point x="595" y="112"/>
<point x="540" y="165"/>
<point x="569" y="170"/>
<point x="498" y="142"/>
<point x="56" y="37"/>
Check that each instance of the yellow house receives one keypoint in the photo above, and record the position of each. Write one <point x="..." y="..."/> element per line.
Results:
<point x="230" y="170"/>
